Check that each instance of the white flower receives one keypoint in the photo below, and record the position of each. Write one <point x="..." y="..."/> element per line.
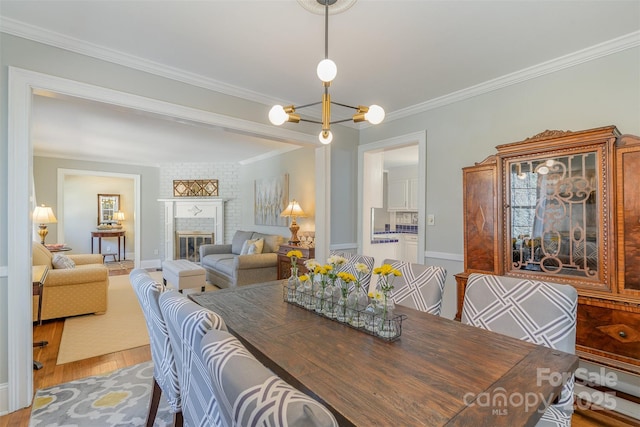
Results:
<point x="311" y="264"/>
<point x="362" y="268"/>
<point x="336" y="260"/>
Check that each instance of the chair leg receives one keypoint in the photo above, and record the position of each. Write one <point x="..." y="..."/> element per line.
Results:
<point x="153" y="404"/>
<point x="177" y="419"/>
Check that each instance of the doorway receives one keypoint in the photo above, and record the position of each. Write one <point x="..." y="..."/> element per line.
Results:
<point x="370" y="188"/>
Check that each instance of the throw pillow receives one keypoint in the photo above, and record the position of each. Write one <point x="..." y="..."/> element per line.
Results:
<point x="256" y="247"/>
<point x="252" y="246"/>
<point x="62" y="261"/>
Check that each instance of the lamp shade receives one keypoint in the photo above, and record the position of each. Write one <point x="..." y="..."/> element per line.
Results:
<point x="44" y="215"/>
<point x="118" y="216"/>
<point x="293" y="210"/>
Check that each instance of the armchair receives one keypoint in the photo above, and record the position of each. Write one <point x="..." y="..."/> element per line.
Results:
<point x="72" y="291"/>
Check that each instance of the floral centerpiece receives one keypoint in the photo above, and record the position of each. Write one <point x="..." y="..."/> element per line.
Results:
<point x="357" y="300"/>
<point x="387" y="274"/>
<point x="293" y="282"/>
<point x="323" y="271"/>
<point x="333" y="292"/>
<point x="341" y="306"/>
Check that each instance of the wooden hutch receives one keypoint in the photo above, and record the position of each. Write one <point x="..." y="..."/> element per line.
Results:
<point x="564" y="207"/>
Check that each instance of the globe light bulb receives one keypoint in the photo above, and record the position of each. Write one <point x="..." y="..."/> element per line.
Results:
<point x="375" y="114"/>
<point x="277" y="115"/>
<point x="327" y="139"/>
<point x="327" y="70"/>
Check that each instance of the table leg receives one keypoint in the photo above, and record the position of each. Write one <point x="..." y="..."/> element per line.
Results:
<point x="124" y="247"/>
<point x="91" y="244"/>
<point x="99" y="245"/>
<point x="118" y="248"/>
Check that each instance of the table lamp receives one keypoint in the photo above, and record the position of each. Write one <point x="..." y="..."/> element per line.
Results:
<point x="293" y="210"/>
<point x="118" y="216"/>
<point x="43" y="215"/>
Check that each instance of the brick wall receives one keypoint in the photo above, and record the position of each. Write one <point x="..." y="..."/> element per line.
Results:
<point x="227" y="175"/>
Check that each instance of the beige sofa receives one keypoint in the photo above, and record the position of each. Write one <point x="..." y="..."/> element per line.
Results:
<point x="225" y="267"/>
<point x="71" y="291"/>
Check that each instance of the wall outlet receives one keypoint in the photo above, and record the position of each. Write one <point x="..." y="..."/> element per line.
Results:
<point x="108" y="249"/>
<point x="431" y="219"/>
<point x="155" y="252"/>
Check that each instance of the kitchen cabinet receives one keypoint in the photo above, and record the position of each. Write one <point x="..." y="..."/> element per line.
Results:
<point x="409" y="247"/>
<point x="397" y="194"/>
<point x="402" y="195"/>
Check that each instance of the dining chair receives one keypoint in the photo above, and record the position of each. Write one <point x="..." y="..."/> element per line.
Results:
<point x="250" y="394"/>
<point x="350" y="267"/>
<point x="187" y="323"/>
<point x="419" y="287"/>
<point x="165" y="373"/>
<point x="542" y="313"/>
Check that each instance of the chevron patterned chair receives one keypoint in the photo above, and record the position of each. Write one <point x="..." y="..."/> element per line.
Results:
<point x="187" y="323"/>
<point x="165" y="373"/>
<point x="420" y="286"/>
<point x="250" y="395"/>
<point x="350" y="267"/>
<point x="542" y="313"/>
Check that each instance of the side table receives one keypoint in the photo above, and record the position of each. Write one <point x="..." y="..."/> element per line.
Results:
<point x="110" y="233"/>
<point x="284" y="262"/>
<point x="39" y="275"/>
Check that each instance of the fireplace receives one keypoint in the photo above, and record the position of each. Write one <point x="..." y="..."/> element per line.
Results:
<point x="203" y="214"/>
<point x="188" y="244"/>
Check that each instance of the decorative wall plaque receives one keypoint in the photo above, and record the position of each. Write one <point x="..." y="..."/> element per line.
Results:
<point x="195" y="187"/>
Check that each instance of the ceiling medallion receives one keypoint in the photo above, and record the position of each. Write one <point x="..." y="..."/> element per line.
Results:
<point x="317" y="6"/>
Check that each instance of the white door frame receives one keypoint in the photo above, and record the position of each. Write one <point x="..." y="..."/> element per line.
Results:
<point x="419" y="138"/>
<point x="22" y="85"/>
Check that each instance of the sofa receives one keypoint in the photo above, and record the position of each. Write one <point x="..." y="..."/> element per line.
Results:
<point x="226" y="265"/>
<point x="81" y="289"/>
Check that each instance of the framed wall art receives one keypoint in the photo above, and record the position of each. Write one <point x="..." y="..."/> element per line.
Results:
<point x="271" y="196"/>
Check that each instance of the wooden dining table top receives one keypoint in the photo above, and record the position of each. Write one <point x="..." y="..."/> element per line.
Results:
<point x="439" y="372"/>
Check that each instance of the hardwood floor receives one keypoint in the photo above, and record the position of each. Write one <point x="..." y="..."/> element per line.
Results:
<point x="52" y="374"/>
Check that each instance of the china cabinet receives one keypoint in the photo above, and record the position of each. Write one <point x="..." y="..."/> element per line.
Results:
<point x="564" y="207"/>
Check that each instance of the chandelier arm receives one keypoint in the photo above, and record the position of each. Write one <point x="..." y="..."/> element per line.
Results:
<point x="339" y="121"/>
<point x="344" y="105"/>
<point x="311" y="121"/>
<point x="309" y="105"/>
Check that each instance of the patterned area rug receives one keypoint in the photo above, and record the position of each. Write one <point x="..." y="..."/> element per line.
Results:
<point x="120" y="398"/>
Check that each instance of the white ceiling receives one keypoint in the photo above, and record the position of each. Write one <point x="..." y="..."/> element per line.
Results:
<point x="401" y="54"/>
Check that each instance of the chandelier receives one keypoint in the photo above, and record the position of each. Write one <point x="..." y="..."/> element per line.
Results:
<point x="326" y="72"/>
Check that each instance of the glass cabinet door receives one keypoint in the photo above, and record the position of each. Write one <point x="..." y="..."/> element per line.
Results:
<point x="553" y="215"/>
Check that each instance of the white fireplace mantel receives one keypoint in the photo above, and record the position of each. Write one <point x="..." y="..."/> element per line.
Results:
<point x="191" y="208"/>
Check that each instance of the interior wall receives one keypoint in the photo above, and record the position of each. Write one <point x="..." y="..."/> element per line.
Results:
<point x="300" y="165"/>
<point x="597" y="93"/>
<point x="45" y="171"/>
<point x="81" y="216"/>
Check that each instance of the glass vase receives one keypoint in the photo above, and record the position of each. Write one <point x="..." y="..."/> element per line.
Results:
<point x="387" y="326"/>
<point x="292" y="285"/>
<point x="341" y="308"/>
<point x="320" y="296"/>
<point x="331" y="297"/>
<point x="371" y="315"/>
<point x="356" y="305"/>
<point x="309" y="294"/>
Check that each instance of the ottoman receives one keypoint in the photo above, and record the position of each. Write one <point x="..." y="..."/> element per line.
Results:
<point x="183" y="274"/>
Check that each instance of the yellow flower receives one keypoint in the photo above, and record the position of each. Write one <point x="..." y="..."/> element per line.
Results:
<point x="303" y="278"/>
<point x="346" y="277"/>
<point x="294" y="253"/>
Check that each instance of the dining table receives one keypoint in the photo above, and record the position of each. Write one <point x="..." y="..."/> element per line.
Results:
<point x="439" y="372"/>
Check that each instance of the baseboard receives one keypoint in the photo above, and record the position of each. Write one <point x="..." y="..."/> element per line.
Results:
<point x="4" y="399"/>
<point x="154" y="264"/>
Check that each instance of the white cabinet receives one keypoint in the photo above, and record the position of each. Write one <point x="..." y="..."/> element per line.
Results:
<point x="409" y="247"/>
<point x="398" y="194"/>
<point x="402" y="195"/>
<point x="413" y="194"/>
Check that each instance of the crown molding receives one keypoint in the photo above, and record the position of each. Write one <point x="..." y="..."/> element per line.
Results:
<point x="51" y="38"/>
<point x="31" y="32"/>
<point x="591" y="53"/>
